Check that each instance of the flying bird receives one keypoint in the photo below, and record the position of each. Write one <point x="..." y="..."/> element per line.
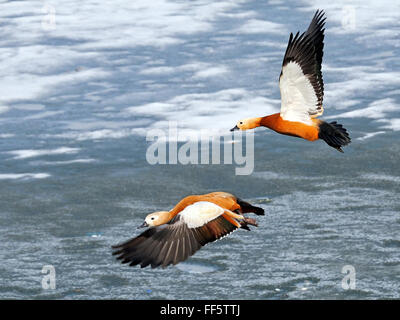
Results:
<point x="175" y="235"/>
<point x="302" y="92"/>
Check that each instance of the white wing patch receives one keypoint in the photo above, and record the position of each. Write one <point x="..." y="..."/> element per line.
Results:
<point x="200" y="213"/>
<point x="297" y="94"/>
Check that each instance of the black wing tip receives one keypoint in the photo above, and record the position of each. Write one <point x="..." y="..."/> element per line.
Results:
<point x="319" y="14"/>
<point x="306" y="49"/>
<point x="147" y="250"/>
<point x="126" y="258"/>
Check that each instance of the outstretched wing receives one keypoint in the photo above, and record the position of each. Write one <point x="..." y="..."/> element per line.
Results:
<point x="300" y="82"/>
<point x="174" y="242"/>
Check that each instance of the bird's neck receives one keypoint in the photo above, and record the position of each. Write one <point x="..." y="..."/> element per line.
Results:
<point x="270" y="121"/>
<point x="253" y="123"/>
<point x="183" y="204"/>
<point x="169" y="215"/>
<point x="164" y="217"/>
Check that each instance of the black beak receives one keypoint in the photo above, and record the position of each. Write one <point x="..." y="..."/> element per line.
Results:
<point x="144" y="225"/>
<point x="235" y="128"/>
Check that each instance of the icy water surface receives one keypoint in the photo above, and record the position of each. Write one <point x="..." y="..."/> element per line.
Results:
<point x="77" y="98"/>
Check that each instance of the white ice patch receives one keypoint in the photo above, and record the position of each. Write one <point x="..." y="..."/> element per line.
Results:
<point x="270" y="175"/>
<point x="37" y="85"/>
<point x="261" y="26"/>
<point x="37" y="67"/>
<point x="375" y="110"/>
<point x="199" y="70"/>
<point x="162" y="70"/>
<point x="393" y="124"/>
<point x="359" y="81"/>
<point x="370" y="135"/>
<point x="382" y="177"/>
<point x="195" y="267"/>
<point x="97" y="134"/>
<point x="14" y="176"/>
<point x="217" y="111"/>
<point x="211" y="72"/>
<point x="31" y="153"/>
<point x="44" y="114"/>
<point x="47" y="163"/>
<point x="4" y="109"/>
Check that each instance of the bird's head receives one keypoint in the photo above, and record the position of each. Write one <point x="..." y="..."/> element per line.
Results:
<point x="155" y="219"/>
<point x="246" y="124"/>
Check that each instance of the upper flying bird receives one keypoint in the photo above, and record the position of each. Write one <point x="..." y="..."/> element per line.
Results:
<point x="302" y="92"/>
<point x="175" y="235"/>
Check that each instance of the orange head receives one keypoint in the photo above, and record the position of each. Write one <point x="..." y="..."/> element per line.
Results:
<point x="246" y="124"/>
<point x="156" y="219"/>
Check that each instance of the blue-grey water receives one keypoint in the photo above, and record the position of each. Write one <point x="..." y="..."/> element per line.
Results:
<point x="82" y="83"/>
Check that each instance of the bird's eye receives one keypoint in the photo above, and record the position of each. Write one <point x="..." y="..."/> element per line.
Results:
<point x="152" y="218"/>
<point x="240" y="122"/>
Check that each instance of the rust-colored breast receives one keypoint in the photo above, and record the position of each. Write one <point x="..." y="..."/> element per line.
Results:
<point x="291" y="128"/>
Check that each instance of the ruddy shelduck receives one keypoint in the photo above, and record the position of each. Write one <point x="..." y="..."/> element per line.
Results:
<point x="175" y="235"/>
<point x="302" y="92"/>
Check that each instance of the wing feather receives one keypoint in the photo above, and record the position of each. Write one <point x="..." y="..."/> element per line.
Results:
<point x="300" y="82"/>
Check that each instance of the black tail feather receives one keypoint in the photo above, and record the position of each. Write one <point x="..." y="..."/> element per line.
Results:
<point x="334" y="135"/>
<point x="247" y="207"/>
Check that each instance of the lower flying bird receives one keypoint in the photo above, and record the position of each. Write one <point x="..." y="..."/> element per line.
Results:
<point x="175" y="235"/>
<point x="302" y="92"/>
